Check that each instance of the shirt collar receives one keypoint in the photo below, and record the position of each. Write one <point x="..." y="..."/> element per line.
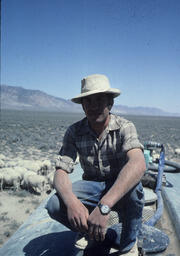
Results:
<point x="85" y="129"/>
<point x="113" y="124"/>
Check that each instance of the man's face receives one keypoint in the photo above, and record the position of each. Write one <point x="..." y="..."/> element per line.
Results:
<point x="96" y="107"/>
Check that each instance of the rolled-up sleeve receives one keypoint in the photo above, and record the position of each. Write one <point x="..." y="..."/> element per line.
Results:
<point x="130" y="137"/>
<point x="68" y="153"/>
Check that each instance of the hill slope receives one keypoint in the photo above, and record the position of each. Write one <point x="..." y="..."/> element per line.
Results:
<point x="18" y="98"/>
<point x="22" y="99"/>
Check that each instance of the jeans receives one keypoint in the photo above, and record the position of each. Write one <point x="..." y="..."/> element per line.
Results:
<point x="129" y="208"/>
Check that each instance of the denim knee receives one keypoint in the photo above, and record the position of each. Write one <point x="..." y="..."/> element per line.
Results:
<point x="136" y="198"/>
<point x="53" y="207"/>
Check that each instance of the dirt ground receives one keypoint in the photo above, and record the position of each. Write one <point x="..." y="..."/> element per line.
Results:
<point x="15" y="207"/>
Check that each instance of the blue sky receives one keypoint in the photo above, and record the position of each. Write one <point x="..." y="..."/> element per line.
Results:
<point x="50" y="45"/>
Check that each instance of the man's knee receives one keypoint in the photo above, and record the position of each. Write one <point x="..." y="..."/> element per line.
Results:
<point x="58" y="211"/>
<point x="136" y="196"/>
<point x="53" y="207"/>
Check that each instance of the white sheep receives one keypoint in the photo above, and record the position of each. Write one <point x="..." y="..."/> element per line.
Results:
<point x="11" y="163"/>
<point x="45" y="167"/>
<point x="24" y="181"/>
<point x="31" y="165"/>
<point x="50" y="178"/>
<point x="10" y="178"/>
<point x="2" y="157"/>
<point x="2" y="164"/>
<point x="36" y="182"/>
<point x="1" y="181"/>
<point x="177" y="151"/>
<point x="21" y="171"/>
<point x="155" y="156"/>
<point x="46" y="164"/>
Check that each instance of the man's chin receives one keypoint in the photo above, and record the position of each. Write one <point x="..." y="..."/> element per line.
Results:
<point x="98" y="119"/>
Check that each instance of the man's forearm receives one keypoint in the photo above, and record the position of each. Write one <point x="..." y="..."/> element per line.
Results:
<point x="63" y="186"/>
<point x="129" y="176"/>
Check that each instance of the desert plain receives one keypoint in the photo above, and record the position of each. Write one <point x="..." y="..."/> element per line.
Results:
<point x="37" y="136"/>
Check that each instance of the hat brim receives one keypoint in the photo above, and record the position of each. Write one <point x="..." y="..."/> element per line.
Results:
<point x="113" y="91"/>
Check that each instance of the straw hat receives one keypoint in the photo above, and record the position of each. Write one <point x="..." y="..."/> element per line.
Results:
<point x="95" y="84"/>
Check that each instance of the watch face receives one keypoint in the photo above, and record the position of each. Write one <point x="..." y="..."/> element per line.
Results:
<point x="105" y="209"/>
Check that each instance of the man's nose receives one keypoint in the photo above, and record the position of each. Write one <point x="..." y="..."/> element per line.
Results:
<point x="95" y="105"/>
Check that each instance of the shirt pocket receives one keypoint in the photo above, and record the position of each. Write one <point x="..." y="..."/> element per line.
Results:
<point x="86" y="147"/>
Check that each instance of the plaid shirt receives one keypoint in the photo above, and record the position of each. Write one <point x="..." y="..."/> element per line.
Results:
<point x="100" y="159"/>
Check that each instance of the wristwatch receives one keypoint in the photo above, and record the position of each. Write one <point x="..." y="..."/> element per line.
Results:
<point x="104" y="209"/>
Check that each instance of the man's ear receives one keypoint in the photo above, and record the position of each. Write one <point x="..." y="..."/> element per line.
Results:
<point x="110" y="107"/>
<point x="82" y="104"/>
<point x="111" y="103"/>
<point x="82" y="107"/>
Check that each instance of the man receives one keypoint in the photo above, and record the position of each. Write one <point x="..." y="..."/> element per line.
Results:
<point x="111" y="157"/>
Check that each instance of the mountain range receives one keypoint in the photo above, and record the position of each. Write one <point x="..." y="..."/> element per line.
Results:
<point x="18" y="98"/>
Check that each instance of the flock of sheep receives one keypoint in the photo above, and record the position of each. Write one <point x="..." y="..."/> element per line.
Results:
<point x="34" y="176"/>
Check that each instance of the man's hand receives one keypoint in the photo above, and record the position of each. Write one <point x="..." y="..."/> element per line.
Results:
<point x="97" y="225"/>
<point x="78" y="215"/>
